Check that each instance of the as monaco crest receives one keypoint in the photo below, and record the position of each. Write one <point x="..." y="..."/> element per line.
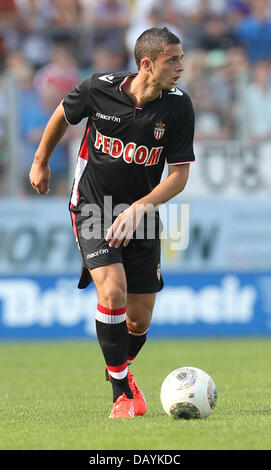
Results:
<point x="159" y="130"/>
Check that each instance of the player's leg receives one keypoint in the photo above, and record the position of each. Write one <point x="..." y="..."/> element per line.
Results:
<point x="139" y="314"/>
<point x="141" y="261"/>
<point x="112" y="332"/>
<point x="102" y="265"/>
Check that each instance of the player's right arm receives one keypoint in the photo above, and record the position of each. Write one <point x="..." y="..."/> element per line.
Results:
<point x="40" y="172"/>
<point x="74" y="108"/>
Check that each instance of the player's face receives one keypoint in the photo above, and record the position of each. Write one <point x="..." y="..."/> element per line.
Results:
<point x="167" y="67"/>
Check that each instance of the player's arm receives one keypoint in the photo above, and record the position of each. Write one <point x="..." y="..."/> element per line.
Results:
<point x="40" y="172"/>
<point x="126" y="223"/>
<point x="167" y="189"/>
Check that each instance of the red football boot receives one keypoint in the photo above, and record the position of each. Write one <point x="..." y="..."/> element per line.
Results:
<point x="123" y="407"/>
<point x="139" y="400"/>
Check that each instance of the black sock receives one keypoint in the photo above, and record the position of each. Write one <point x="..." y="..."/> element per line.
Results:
<point x="136" y="342"/>
<point x="120" y="386"/>
<point x="113" y="337"/>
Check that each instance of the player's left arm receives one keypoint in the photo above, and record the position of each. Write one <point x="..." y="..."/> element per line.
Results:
<point x="126" y="223"/>
<point x="168" y="188"/>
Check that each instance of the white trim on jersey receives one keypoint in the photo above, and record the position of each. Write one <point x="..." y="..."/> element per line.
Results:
<point x="180" y="163"/>
<point x="79" y="169"/>
<point x="65" y="115"/>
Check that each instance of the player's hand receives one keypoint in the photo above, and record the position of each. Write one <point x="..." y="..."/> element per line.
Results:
<point x="123" y="227"/>
<point x="39" y="178"/>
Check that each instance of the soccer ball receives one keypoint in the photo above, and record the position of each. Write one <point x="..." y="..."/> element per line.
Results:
<point x="188" y="392"/>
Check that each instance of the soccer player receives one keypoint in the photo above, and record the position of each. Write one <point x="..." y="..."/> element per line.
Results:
<point x="136" y="123"/>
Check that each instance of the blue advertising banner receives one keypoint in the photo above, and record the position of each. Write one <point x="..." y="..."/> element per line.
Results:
<point x="190" y="305"/>
<point x="36" y="236"/>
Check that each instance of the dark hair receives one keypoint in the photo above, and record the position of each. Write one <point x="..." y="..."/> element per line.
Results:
<point x="151" y="43"/>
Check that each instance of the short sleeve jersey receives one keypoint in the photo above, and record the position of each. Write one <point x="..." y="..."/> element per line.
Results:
<point x="124" y="148"/>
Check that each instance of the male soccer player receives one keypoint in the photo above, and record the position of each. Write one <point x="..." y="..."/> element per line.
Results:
<point x="135" y="124"/>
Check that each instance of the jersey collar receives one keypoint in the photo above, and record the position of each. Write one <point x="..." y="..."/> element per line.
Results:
<point x="125" y="80"/>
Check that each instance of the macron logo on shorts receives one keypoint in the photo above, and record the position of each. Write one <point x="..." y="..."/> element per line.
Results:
<point x="102" y="251"/>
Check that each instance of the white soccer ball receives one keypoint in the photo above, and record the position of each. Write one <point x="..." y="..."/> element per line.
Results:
<point x="188" y="392"/>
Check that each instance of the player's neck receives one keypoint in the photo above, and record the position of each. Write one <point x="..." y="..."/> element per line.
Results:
<point x="141" y="91"/>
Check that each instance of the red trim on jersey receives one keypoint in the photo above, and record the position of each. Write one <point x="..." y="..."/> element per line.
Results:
<point x="111" y="311"/>
<point x="124" y="81"/>
<point x="118" y="368"/>
<point x="83" y="152"/>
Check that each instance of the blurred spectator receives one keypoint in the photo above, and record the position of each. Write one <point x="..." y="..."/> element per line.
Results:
<point x="34" y="117"/>
<point x="2" y="117"/>
<point x="38" y="98"/>
<point x="257" y="104"/>
<point x="2" y="139"/>
<point x="66" y="14"/>
<point x="169" y="10"/>
<point x="20" y="69"/>
<point x="103" y="26"/>
<point x="104" y="59"/>
<point x="110" y="19"/>
<point x="239" y="72"/>
<point x="62" y="71"/>
<point x="35" y="106"/>
<point x="254" y="31"/>
<point x="190" y="10"/>
<point x="194" y="67"/>
<point x="238" y="64"/>
<point x="211" y="91"/>
<point x="8" y="22"/>
<point x="210" y="122"/>
<point x="220" y="79"/>
<point x="35" y="17"/>
<point x="108" y="13"/>
<point x="216" y="34"/>
<point x="22" y="73"/>
<point x="236" y="11"/>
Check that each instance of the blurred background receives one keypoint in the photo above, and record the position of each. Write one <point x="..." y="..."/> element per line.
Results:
<point x="221" y="284"/>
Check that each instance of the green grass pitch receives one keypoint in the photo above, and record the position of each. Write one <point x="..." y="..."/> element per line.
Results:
<point x="54" y="396"/>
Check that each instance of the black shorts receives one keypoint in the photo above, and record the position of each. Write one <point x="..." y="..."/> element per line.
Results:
<point x="140" y="259"/>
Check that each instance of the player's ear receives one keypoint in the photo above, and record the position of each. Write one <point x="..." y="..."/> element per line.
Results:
<point x="146" y="64"/>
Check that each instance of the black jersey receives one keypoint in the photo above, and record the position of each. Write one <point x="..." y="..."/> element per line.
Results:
<point x="124" y="149"/>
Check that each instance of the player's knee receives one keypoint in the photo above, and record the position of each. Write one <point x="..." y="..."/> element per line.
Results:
<point x="138" y="326"/>
<point x="139" y="316"/>
<point x="113" y="296"/>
